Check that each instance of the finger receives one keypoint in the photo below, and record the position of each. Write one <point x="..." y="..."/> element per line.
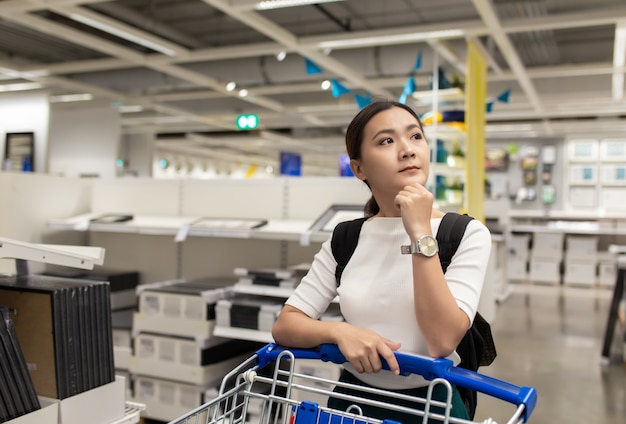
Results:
<point x="391" y="360"/>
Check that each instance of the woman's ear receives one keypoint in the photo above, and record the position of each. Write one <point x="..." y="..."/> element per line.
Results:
<point x="357" y="170"/>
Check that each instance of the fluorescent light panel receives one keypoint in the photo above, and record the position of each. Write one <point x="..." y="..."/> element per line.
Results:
<point x="83" y="97"/>
<point x="391" y="38"/>
<point x="22" y="86"/>
<point x="121" y="33"/>
<point x="619" y="59"/>
<point x="278" y="4"/>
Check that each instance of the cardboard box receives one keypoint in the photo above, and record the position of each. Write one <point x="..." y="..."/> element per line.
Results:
<point x="167" y="400"/>
<point x="545" y="271"/>
<point x="547" y="246"/>
<point x="518" y="245"/>
<point x="580" y="272"/>
<point x="581" y="247"/>
<point x="517" y="268"/>
<point x="607" y="271"/>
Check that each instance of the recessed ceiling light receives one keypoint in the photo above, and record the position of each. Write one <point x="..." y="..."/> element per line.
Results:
<point x="243" y="92"/>
<point x="326" y="84"/>
<point x="281" y="56"/>
<point x="231" y="86"/>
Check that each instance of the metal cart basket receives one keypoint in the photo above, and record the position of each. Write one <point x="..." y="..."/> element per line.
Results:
<point x="268" y="391"/>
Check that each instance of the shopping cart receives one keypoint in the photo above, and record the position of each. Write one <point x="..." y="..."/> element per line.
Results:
<point x="257" y="393"/>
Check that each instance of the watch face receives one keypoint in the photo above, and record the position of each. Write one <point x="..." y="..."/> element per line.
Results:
<point x="428" y="246"/>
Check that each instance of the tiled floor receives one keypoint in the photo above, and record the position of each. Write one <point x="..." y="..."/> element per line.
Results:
<point x="551" y="337"/>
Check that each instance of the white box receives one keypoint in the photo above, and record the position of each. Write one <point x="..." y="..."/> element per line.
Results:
<point x="580" y="271"/>
<point x="581" y="247"/>
<point x="198" y="329"/>
<point x="547" y="246"/>
<point x="167" y="400"/>
<point x="102" y="405"/>
<point x="48" y="414"/>
<point x="267" y="312"/>
<point x="545" y="270"/>
<point x="607" y="271"/>
<point x="517" y="268"/>
<point x="319" y="369"/>
<point x="518" y="245"/>
<point x="121" y="356"/>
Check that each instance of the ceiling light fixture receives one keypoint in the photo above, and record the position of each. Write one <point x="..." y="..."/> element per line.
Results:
<point x="278" y="4"/>
<point x="619" y="59"/>
<point x="243" y="92"/>
<point x="326" y="84"/>
<point x="83" y="97"/>
<point x="22" y="86"/>
<point x="281" y="56"/>
<point x="381" y="39"/>
<point x="121" y="33"/>
<point x="231" y="86"/>
<point x="130" y="108"/>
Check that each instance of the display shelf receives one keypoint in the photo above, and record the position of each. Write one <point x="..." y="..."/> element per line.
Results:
<point x="286" y="230"/>
<point x="566" y="230"/>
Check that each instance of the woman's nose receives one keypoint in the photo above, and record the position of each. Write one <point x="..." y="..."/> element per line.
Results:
<point x="407" y="151"/>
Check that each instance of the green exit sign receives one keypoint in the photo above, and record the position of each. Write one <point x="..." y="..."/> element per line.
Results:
<point x="247" y="122"/>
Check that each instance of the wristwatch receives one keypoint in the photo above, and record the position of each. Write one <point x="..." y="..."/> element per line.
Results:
<point x="425" y="245"/>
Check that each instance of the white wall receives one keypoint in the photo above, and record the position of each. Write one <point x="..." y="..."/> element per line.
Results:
<point x="26" y="112"/>
<point x="84" y="142"/>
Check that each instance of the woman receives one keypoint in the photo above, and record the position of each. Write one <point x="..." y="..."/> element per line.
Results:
<point x="390" y="301"/>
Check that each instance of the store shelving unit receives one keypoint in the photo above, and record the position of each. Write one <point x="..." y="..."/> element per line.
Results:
<point x="162" y="241"/>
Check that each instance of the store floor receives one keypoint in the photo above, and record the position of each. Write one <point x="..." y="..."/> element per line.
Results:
<point x="551" y="338"/>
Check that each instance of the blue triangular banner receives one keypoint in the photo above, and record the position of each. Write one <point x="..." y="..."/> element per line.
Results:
<point x="402" y="98"/>
<point x="338" y="89"/>
<point x="362" y="101"/>
<point x="409" y="86"/>
<point x="312" y="68"/>
<point x="418" y="62"/>
<point x="443" y="81"/>
<point x="489" y="106"/>
<point x="504" y="97"/>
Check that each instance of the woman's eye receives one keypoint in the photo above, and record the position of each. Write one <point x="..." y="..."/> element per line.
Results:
<point x="386" y="141"/>
<point x="417" y="136"/>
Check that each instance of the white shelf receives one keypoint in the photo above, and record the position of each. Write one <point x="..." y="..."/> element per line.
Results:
<point x="243" y="334"/>
<point x="287" y="230"/>
<point x="566" y="230"/>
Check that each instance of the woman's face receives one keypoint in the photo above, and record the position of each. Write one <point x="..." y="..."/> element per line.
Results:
<point x="394" y="152"/>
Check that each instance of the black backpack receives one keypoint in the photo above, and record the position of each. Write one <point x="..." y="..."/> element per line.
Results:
<point x="477" y="347"/>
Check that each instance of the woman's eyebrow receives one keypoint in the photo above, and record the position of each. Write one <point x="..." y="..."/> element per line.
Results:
<point x="392" y="131"/>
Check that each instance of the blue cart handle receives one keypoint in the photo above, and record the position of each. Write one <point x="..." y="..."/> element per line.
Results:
<point x="426" y="367"/>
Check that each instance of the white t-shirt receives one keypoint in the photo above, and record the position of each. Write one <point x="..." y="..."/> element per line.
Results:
<point x="376" y="290"/>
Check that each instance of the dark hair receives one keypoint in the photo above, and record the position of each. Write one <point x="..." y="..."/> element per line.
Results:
<point x="354" y="137"/>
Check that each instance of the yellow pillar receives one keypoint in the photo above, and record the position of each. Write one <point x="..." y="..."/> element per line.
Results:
<point x="475" y="120"/>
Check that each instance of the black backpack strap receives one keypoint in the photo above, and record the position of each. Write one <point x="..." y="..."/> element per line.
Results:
<point x="449" y="235"/>
<point x="344" y="240"/>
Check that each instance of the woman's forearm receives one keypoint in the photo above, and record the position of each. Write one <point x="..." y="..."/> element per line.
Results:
<point x="295" y="329"/>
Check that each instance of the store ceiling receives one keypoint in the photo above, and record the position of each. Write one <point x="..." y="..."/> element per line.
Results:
<point x="167" y="67"/>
